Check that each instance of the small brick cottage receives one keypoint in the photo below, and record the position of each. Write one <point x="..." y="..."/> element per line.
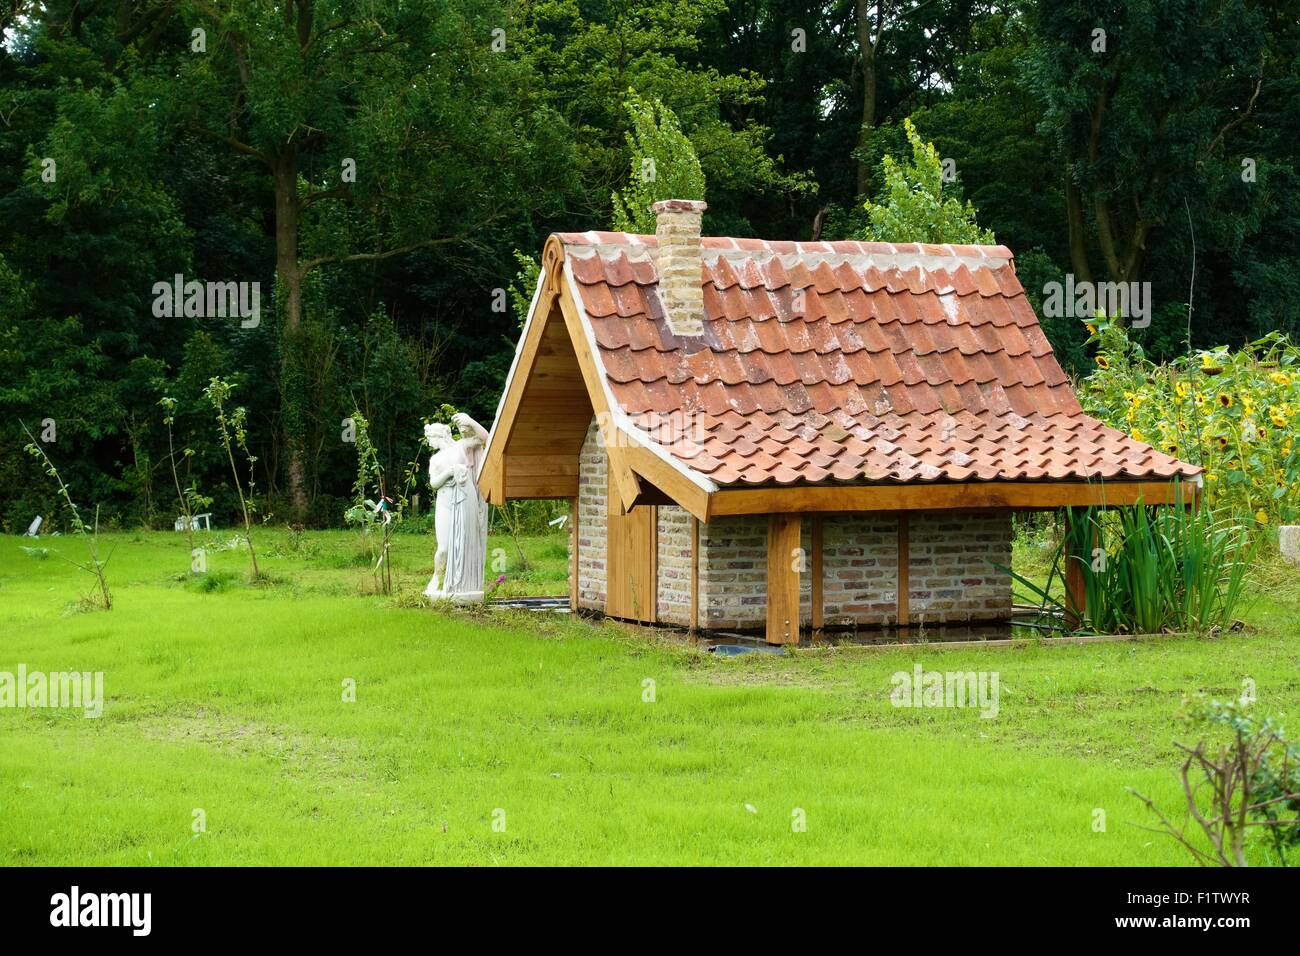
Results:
<point x="787" y="436"/>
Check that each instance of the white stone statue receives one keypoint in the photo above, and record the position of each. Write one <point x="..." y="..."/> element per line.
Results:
<point x="460" y="513"/>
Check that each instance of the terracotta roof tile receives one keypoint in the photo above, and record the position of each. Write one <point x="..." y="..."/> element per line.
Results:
<point x="846" y="362"/>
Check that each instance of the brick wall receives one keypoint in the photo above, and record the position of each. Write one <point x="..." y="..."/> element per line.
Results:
<point x="859" y="569"/>
<point x="673" y="560"/>
<point x="952" y="573"/>
<point x="952" y="566"/>
<point x="593" y="472"/>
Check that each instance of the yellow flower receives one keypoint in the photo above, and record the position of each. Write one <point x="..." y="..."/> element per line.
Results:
<point x="1261" y="516"/>
<point x="1211" y="476"/>
<point x="1092" y="329"/>
<point x="1247" y="404"/>
<point x="1182" y="388"/>
<point x="1260" y="432"/>
<point x="1280" y="378"/>
<point x="1138" y="435"/>
<point x="1172" y="448"/>
<point x="1286" y="451"/>
<point x="1222" y="440"/>
<point x="1225" y="399"/>
<point x="1207" y="360"/>
<point x="1101" y="362"/>
<point x="1200" y="400"/>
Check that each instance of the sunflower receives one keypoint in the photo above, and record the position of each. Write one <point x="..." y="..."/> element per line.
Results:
<point x="1200" y="400"/>
<point x="1211" y="476"/>
<point x="1261" y="432"/>
<point x="1222" y="440"/>
<point x="1261" y="516"/>
<point x="1171" y="447"/>
<point x="1092" y="329"/>
<point x="1286" y="451"/>
<point x="1137" y="435"/>
<point x="1102" y="361"/>
<point x="1182" y="389"/>
<point x="1280" y="378"/>
<point x="1225" y="399"/>
<point x="1207" y="360"/>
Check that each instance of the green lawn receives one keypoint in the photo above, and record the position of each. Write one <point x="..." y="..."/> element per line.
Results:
<point x="227" y="698"/>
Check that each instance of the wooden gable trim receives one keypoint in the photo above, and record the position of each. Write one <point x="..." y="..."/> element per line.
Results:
<point x="969" y="495"/>
<point x="492" y="474"/>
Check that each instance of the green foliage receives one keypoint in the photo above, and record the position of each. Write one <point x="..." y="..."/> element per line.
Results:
<point x="1232" y="411"/>
<point x="231" y="426"/>
<point x="187" y="493"/>
<point x="911" y="206"/>
<point x="373" y="511"/>
<point x="663" y="166"/>
<point x="524" y="285"/>
<point x="89" y="532"/>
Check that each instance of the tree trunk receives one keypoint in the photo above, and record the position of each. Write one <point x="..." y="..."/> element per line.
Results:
<point x="867" y="50"/>
<point x="1078" y="232"/>
<point x="289" y="275"/>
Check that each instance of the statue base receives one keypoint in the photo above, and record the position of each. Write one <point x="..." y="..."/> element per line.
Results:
<point x="463" y="597"/>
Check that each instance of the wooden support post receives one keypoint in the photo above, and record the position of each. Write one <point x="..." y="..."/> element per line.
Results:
<point x="904" y="583"/>
<point x="695" y="575"/>
<point x="1076" y="591"/>
<point x="783" y="561"/>
<point x="573" y="552"/>
<point x="815" y="569"/>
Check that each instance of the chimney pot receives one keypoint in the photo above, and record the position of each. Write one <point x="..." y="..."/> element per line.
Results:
<point x="677" y="229"/>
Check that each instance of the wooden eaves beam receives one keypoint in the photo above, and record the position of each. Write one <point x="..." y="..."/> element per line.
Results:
<point x="668" y="480"/>
<point x="947" y="496"/>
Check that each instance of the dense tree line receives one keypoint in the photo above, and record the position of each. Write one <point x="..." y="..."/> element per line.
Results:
<point x="374" y="167"/>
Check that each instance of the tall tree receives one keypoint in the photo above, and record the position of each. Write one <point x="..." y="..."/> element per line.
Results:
<point x="1142" y="101"/>
<point x="401" y="126"/>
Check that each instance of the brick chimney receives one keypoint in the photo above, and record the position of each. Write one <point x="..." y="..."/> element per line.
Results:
<point x="677" y="227"/>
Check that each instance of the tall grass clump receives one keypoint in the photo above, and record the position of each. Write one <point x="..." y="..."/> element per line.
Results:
<point x="1148" y="569"/>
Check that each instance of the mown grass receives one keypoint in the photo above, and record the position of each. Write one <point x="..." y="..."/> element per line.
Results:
<point x="227" y="698"/>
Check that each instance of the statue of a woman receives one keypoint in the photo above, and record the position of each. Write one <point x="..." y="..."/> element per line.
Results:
<point x="460" y="513"/>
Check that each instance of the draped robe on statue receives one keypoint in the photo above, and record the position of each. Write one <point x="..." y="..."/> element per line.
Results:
<point x="460" y="513"/>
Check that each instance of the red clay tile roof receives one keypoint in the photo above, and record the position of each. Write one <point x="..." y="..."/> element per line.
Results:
<point x="902" y="363"/>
